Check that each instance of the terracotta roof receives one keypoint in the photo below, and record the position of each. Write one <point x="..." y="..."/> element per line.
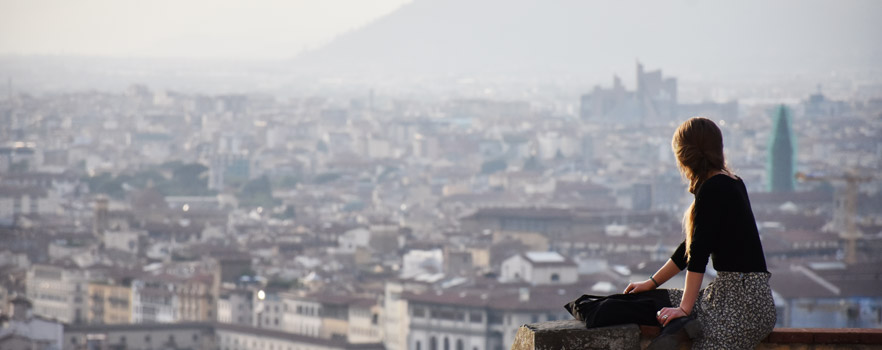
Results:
<point x="522" y="212"/>
<point x="504" y="297"/>
<point x="217" y="327"/>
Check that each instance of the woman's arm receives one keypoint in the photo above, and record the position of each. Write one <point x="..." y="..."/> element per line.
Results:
<point x="690" y="291"/>
<point x="668" y="270"/>
<point x="687" y="303"/>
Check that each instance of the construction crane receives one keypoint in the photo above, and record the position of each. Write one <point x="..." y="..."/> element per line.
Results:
<point x="848" y="210"/>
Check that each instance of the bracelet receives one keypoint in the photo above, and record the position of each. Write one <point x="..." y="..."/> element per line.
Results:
<point x="654" y="281"/>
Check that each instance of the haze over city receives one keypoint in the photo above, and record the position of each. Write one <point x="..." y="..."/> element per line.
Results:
<point x="418" y="174"/>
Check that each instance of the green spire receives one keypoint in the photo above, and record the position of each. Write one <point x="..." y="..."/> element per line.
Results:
<point x="782" y="153"/>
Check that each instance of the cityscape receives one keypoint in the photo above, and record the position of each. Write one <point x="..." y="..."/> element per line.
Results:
<point x="354" y="213"/>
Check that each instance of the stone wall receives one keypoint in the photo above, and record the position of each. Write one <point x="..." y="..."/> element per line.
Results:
<point x="572" y="335"/>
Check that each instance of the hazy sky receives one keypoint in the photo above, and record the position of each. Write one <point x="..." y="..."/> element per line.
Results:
<point x="252" y="29"/>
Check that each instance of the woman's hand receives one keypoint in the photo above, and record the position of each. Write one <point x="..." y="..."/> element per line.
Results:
<point x="637" y="287"/>
<point x="668" y="314"/>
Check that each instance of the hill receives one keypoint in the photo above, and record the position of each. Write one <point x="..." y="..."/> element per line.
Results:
<point x="443" y="37"/>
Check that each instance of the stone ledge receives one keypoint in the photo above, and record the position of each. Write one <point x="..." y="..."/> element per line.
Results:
<point x="826" y="336"/>
<point x="807" y="335"/>
<point x="571" y="334"/>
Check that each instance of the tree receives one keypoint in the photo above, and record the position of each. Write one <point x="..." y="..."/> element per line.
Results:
<point x="148" y="178"/>
<point x="189" y="179"/>
<point x="191" y="175"/>
<point x="257" y="193"/>
<point x="532" y="164"/>
<point x="107" y="184"/>
<point x="493" y="166"/>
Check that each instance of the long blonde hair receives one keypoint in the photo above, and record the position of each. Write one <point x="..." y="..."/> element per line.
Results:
<point x="698" y="146"/>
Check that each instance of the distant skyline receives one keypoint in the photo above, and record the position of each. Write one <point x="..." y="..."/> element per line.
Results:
<point x="506" y="47"/>
<point x="212" y="29"/>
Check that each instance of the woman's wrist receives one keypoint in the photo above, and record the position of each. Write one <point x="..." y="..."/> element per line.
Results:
<point x="651" y="278"/>
<point x="684" y="310"/>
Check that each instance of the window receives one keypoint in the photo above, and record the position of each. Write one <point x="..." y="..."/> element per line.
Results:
<point x="73" y="340"/>
<point x="195" y="337"/>
<point x="446" y="344"/>
<point x="448" y="315"/>
<point x="459" y="345"/>
<point x="147" y="338"/>
<point x="476" y="317"/>
<point x="419" y="312"/>
<point x="433" y="343"/>
<point x="419" y="346"/>
<point x="555" y="277"/>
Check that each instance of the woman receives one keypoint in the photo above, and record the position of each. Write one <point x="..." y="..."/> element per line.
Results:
<point x="736" y="310"/>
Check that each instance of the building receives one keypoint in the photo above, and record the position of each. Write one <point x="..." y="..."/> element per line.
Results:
<point x="20" y="158"/>
<point x="197" y="336"/>
<point x="154" y="300"/>
<point x="818" y="106"/>
<point x="396" y="318"/>
<point x="60" y="291"/>
<point x="64" y="184"/>
<point x="481" y="317"/>
<point x="109" y="302"/>
<point x="226" y="169"/>
<point x="236" y="306"/>
<point x="781" y="166"/>
<point x="654" y="101"/>
<point x="364" y="321"/>
<point x="197" y="299"/>
<point x="302" y="315"/>
<point x="17" y="200"/>
<point x="828" y="294"/>
<point x="354" y="319"/>
<point x="269" y="310"/>
<point x="169" y="298"/>
<point x="611" y="105"/>
<point x="657" y="94"/>
<point x="550" y="228"/>
<point x="539" y="268"/>
<point x="24" y="331"/>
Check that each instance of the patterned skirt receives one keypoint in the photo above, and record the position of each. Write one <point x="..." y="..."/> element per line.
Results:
<point x="736" y="310"/>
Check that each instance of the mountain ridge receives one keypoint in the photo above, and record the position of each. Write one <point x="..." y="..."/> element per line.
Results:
<point x="449" y="37"/>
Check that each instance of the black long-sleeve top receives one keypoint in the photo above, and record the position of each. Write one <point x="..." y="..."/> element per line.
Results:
<point x="724" y="230"/>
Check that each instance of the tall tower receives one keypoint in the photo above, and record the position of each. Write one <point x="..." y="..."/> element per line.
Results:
<point x="99" y="218"/>
<point x="782" y="153"/>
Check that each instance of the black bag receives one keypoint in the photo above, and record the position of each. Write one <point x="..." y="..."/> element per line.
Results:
<point x="600" y="311"/>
